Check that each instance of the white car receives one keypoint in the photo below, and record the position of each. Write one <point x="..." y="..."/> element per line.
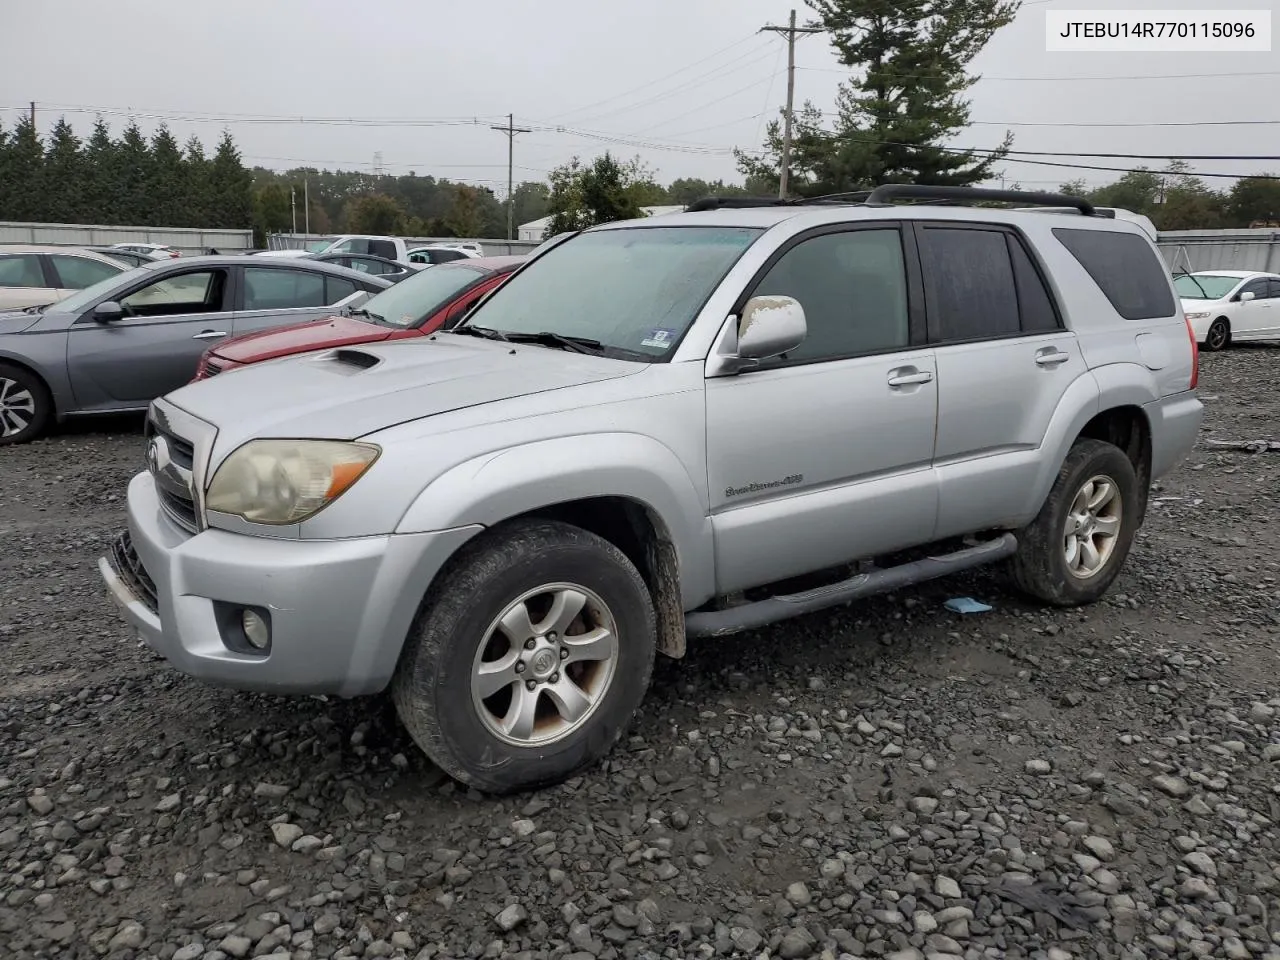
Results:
<point x="1224" y="306"/>
<point x="35" y="276"/>
<point x="441" y="253"/>
<point x="156" y="251"/>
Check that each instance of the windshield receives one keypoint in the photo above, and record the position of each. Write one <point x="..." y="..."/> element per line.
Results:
<point x="82" y="298"/>
<point x="633" y="289"/>
<point x="415" y="298"/>
<point x="315" y="246"/>
<point x="1204" y="286"/>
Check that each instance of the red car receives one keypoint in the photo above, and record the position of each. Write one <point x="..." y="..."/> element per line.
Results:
<point x="432" y="299"/>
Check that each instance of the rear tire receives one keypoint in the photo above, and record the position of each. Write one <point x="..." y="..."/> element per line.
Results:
<point x="25" y="405"/>
<point x="1219" y="335"/>
<point x="1074" y="549"/>
<point x="505" y="707"/>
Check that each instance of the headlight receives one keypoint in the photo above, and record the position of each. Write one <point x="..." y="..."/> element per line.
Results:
<point x="1196" y="316"/>
<point x="286" y="481"/>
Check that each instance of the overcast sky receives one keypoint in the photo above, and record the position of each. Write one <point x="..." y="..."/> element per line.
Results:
<point x="687" y="79"/>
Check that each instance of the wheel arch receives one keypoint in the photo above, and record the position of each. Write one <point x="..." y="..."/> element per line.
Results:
<point x="35" y="370"/>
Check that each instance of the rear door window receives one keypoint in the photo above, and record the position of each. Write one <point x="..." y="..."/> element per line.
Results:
<point x="76" y="273"/>
<point x="969" y="284"/>
<point x="1126" y="269"/>
<point x="21" y="270"/>
<point x="274" y="289"/>
<point x="337" y="289"/>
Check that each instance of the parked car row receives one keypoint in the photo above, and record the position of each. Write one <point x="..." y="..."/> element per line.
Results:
<point x="136" y="334"/>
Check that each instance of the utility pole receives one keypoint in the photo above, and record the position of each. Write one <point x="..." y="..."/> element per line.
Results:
<point x="306" y="203"/>
<point x="790" y="32"/>
<point x="33" y="114"/>
<point x="293" y="208"/>
<point x="511" y="130"/>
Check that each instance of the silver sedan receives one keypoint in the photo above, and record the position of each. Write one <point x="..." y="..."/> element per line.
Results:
<point x="120" y="343"/>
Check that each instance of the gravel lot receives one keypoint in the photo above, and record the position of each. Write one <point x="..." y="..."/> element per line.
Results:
<point x="891" y="780"/>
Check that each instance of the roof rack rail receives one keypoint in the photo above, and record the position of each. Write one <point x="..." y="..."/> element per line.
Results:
<point x="734" y="203"/>
<point x="881" y="195"/>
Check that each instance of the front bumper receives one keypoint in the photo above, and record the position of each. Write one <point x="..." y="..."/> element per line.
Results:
<point x="1200" y="325"/>
<point x="339" y="609"/>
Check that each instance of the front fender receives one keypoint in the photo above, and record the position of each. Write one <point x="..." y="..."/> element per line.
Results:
<point x="47" y="359"/>
<point x="497" y="486"/>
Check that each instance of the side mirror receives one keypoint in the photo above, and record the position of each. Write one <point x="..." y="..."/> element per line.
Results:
<point x="1246" y="296"/>
<point x="770" y="326"/>
<point x="107" y="311"/>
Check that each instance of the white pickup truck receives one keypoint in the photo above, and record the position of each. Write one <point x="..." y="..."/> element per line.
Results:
<point x="390" y="248"/>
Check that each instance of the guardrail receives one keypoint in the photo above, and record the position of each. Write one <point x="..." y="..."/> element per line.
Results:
<point x="189" y="240"/>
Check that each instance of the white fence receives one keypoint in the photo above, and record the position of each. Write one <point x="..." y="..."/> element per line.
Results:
<point x="491" y="248"/>
<point x="190" y="240"/>
<point x="1193" y="250"/>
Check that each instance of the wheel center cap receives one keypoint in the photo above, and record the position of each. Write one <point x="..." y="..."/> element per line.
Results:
<point x="543" y="663"/>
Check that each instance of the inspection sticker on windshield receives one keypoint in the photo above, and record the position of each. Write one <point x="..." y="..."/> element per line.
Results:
<point x="662" y="339"/>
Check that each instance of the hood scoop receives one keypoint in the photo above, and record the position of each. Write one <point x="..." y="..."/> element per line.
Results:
<point x="359" y="359"/>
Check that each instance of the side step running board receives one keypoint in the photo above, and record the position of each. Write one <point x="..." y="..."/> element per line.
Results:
<point x="718" y="623"/>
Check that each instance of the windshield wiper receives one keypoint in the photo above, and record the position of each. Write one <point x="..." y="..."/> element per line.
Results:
<point x="1192" y="278"/>
<point x="362" y="312"/>
<point x="35" y="308"/>
<point x="488" y="333"/>
<point x="547" y="338"/>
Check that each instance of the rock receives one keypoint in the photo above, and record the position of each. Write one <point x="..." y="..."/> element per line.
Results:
<point x="1039" y="768"/>
<point x="511" y="917"/>
<point x="1261" y="713"/>
<point x="925" y="806"/>
<point x="523" y="828"/>
<point x="1201" y="863"/>
<point x="795" y="945"/>
<point x="1173" y="786"/>
<point x="285" y="834"/>
<point x="270" y="791"/>
<point x="40" y="804"/>
<point x="946" y="887"/>
<point x="129" y="937"/>
<point x="169" y="803"/>
<point x="235" y="946"/>
<point x="798" y="895"/>
<point x="1099" y="847"/>
<point x="190" y="952"/>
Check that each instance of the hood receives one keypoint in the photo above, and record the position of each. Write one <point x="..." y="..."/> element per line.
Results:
<point x="16" y="321"/>
<point x="299" y="338"/>
<point x="350" y="392"/>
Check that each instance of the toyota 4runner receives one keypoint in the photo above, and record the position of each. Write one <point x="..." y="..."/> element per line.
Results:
<point x="658" y="429"/>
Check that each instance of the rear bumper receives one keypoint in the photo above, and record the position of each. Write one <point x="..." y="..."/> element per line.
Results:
<point x="339" y="609"/>
<point x="1175" y="424"/>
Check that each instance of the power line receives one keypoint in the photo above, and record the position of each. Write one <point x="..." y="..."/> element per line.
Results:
<point x="662" y="79"/>
<point x="710" y="103"/>
<point x="1142" y="76"/>
<point x="1126" y="124"/>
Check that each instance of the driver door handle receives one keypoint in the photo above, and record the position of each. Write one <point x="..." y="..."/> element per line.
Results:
<point x="209" y="335"/>
<point x="909" y="379"/>
<point x="1052" y="357"/>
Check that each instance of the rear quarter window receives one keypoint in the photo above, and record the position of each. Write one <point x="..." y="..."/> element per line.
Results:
<point x="1125" y="268"/>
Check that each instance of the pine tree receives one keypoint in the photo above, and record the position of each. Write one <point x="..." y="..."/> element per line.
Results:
<point x="64" y="174"/>
<point x="230" y="188"/>
<point x="168" y="204"/>
<point x="195" y="185"/>
<point x="905" y="101"/>
<point x="26" y="173"/>
<point x="137" y="173"/>
<point x="6" y="176"/>
<point x="104" y="183"/>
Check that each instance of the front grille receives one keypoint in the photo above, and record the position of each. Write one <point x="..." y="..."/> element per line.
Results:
<point x="174" y="477"/>
<point x="125" y="559"/>
<point x="180" y="509"/>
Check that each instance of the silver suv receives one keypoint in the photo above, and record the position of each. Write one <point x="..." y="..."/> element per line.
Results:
<point x="684" y="426"/>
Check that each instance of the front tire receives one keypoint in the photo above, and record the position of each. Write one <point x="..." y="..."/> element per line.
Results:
<point x="1074" y="549"/>
<point x="528" y="657"/>
<point x="25" y="405"/>
<point x="1219" y="335"/>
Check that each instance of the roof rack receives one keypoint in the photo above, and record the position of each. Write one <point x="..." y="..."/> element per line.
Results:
<point x="881" y="195"/>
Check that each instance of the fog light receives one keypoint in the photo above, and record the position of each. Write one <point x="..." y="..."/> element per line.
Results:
<point x="256" y="629"/>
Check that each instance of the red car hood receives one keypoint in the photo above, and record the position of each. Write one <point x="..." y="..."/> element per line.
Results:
<point x="299" y="338"/>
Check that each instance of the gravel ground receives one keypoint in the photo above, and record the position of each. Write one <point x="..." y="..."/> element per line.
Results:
<point x="890" y="780"/>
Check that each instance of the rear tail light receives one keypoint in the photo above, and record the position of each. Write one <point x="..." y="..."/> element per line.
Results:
<point x="1195" y="355"/>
